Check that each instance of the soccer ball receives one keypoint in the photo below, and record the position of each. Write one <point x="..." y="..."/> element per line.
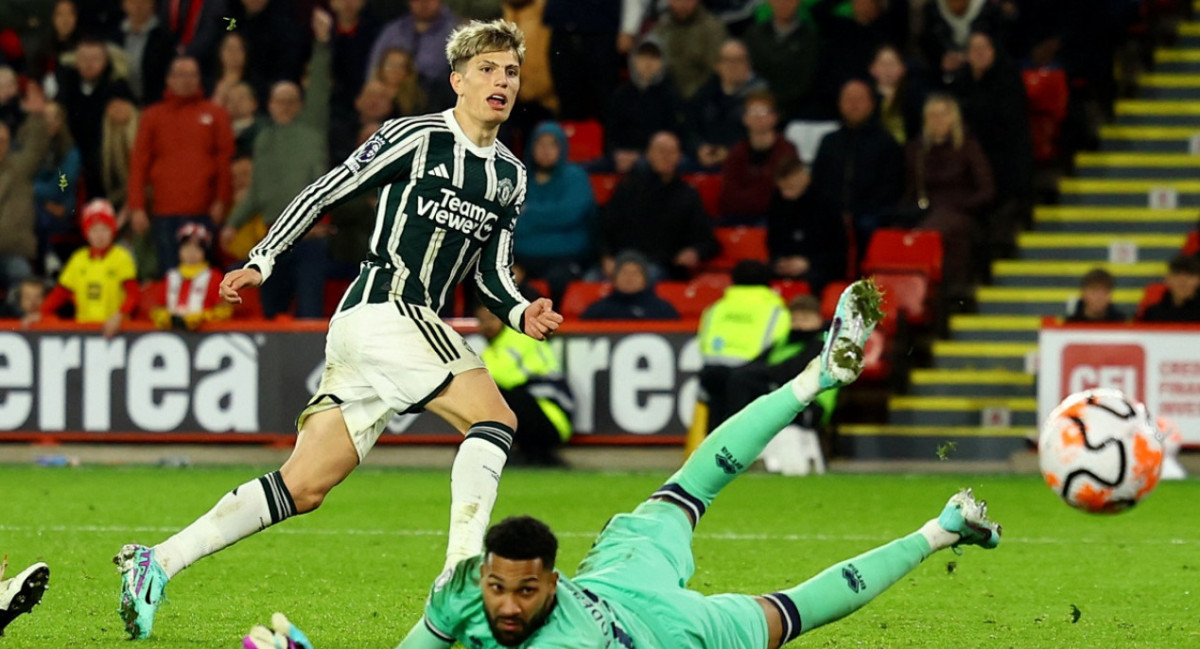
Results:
<point x="1100" y="452"/>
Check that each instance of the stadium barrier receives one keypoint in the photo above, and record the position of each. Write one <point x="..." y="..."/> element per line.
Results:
<point x="1157" y="364"/>
<point x="633" y="383"/>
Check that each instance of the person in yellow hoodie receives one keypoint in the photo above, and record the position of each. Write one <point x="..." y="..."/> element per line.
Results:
<point x="528" y="375"/>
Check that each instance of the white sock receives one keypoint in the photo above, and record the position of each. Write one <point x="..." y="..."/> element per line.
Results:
<point x="474" y="479"/>
<point x="250" y="508"/>
<point x="938" y="538"/>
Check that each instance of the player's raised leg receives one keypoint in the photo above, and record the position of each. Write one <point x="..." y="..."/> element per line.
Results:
<point x="473" y="405"/>
<point x="737" y="442"/>
<point x="846" y="587"/>
<point x="324" y="455"/>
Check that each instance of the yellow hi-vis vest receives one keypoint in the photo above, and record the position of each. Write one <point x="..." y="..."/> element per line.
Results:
<point x="744" y="323"/>
<point x="514" y="359"/>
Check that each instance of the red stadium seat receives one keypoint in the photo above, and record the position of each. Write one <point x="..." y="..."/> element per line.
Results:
<point x="904" y="295"/>
<point x="603" y="186"/>
<point x="875" y="363"/>
<point x="790" y="288"/>
<point x="906" y="251"/>
<point x="677" y="294"/>
<point x="581" y="295"/>
<point x="1192" y="245"/>
<point x="1048" y="93"/>
<point x="540" y="285"/>
<point x="737" y="244"/>
<point x="829" y="298"/>
<point x="585" y="140"/>
<point x="1153" y="295"/>
<point x="709" y="187"/>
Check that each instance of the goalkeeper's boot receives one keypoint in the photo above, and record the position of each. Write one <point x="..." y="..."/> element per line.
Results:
<point x="858" y="312"/>
<point x="142" y="584"/>
<point x="21" y="593"/>
<point x="282" y="635"/>
<point x="967" y="517"/>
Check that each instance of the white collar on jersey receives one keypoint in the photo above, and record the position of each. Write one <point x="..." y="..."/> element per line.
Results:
<point x="481" y="151"/>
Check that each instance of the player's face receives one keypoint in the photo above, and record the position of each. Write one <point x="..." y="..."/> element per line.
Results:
<point x="487" y="86"/>
<point x="517" y="597"/>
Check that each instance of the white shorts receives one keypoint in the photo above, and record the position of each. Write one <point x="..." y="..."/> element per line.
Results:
<point x="383" y="359"/>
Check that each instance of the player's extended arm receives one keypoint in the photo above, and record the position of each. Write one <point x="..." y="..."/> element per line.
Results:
<point x="421" y="637"/>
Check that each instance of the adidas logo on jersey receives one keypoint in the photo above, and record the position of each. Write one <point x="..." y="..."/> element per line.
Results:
<point x="440" y="171"/>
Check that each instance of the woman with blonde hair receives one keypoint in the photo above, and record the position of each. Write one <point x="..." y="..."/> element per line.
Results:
<point x="949" y="182"/>
<point x="397" y="70"/>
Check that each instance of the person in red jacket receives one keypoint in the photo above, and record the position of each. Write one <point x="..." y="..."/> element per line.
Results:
<point x="189" y="296"/>
<point x="748" y="176"/>
<point x="182" y="155"/>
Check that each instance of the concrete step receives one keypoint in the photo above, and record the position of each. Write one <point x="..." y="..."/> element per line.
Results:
<point x="1137" y="220"/>
<point x="960" y="411"/>
<point x="964" y="355"/>
<point x="1170" y="85"/>
<point x="1149" y="139"/>
<point x="970" y="383"/>
<point x="995" y="328"/>
<point x="1127" y="193"/>
<point x="1157" y="112"/>
<point x="924" y="442"/>
<point x="1052" y="302"/>
<point x="1093" y="246"/>
<point x="1177" y="60"/>
<point x="1134" y="165"/>
<point x="1033" y="274"/>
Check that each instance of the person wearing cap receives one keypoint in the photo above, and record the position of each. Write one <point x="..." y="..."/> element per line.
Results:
<point x="189" y="296"/>
<point x="101" y="278"/>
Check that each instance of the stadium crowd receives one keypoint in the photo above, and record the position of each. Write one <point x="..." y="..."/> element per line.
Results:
<point x="652" y="129"/>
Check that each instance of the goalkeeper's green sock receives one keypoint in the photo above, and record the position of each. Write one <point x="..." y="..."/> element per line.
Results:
<point x="847" y="586"/>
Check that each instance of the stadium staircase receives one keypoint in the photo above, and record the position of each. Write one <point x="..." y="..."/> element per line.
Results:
<point x="980" y="391"/>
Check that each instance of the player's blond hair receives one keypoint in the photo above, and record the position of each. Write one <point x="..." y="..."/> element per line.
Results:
<point x="476" y="37"/>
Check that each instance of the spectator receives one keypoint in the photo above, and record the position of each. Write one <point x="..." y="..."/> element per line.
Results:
<point x="11" y="113"/>
<point x="62" y="40"/>
<point x="748" y="320"/>
<point x="375" y="105"/>
<point x="859" y="169"/>
<point x="252" y="230"/>
<point x="642" y="106"/>
<point x="275" y="44"/>
<point x="583" y="55"/>
<point x="231" y="68"/>
<point x="31" y="294"/>
<point x="536" y="99"/>
<point x="85" y="92"/>
<point x="949" y="180"/>
<point x="850" y="41"/>
<point x="1181" y="303"/>
<point x="184" y="145"/>
<point x="995" y="109"/>
<point x="477" y="10"/>
<point x="100" y="278"/>
<point x="117" y="137"/>
<point x="289" y="154"/>
<point x="19" y="163"/>
<point x="196" y="26"/>
<point x="715" y="111"/>
<point x="422" y="32"/>
<point x="901" y="97"/>
<point x="554" y="239"/>
<point x="148" y="46"/>
<point x="189" y="296"/>
<point x="353" y="222"/>
<point x="56" y="185"/>
<point x="528" y="375"/>
<point x="784" y="51"/>
<point x="748" y="176"/>
<point x="1095" y="299"/>
<point x="947" y="26"/>
<point x="804" y="240"/>
<point x="632" y="296"/>
<point x="242" y="106"/>
<point x="354" y="35"/>
<point x="397" y="72"/>
<point x="692" y="39"/>
<point x="655" y="213"/>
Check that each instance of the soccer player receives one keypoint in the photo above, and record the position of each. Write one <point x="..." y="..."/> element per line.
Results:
<point x="449" y="196"/>
<point x="629" y="590"/>
<point x="21" y="593"/>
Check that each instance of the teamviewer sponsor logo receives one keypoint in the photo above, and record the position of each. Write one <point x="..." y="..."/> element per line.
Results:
<point x="458" y="214"/>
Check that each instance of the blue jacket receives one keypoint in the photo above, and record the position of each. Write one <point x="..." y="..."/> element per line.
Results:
<point x="559" y="219"/>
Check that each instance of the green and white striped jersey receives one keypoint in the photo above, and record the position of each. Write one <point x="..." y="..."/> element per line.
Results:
<point x="446" y="208"/>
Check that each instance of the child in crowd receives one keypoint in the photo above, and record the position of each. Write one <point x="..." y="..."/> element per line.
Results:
<point x="188" y="296"/>
<point x="1095" y="299"/>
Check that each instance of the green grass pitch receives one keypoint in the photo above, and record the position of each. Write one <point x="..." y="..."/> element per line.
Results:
<point x="354" y="574"/>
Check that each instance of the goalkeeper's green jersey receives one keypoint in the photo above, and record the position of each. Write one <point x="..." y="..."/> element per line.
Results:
<point x="447" y="208"/>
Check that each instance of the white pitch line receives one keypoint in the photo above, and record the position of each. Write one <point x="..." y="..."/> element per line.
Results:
<point x="713" y="536"/>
